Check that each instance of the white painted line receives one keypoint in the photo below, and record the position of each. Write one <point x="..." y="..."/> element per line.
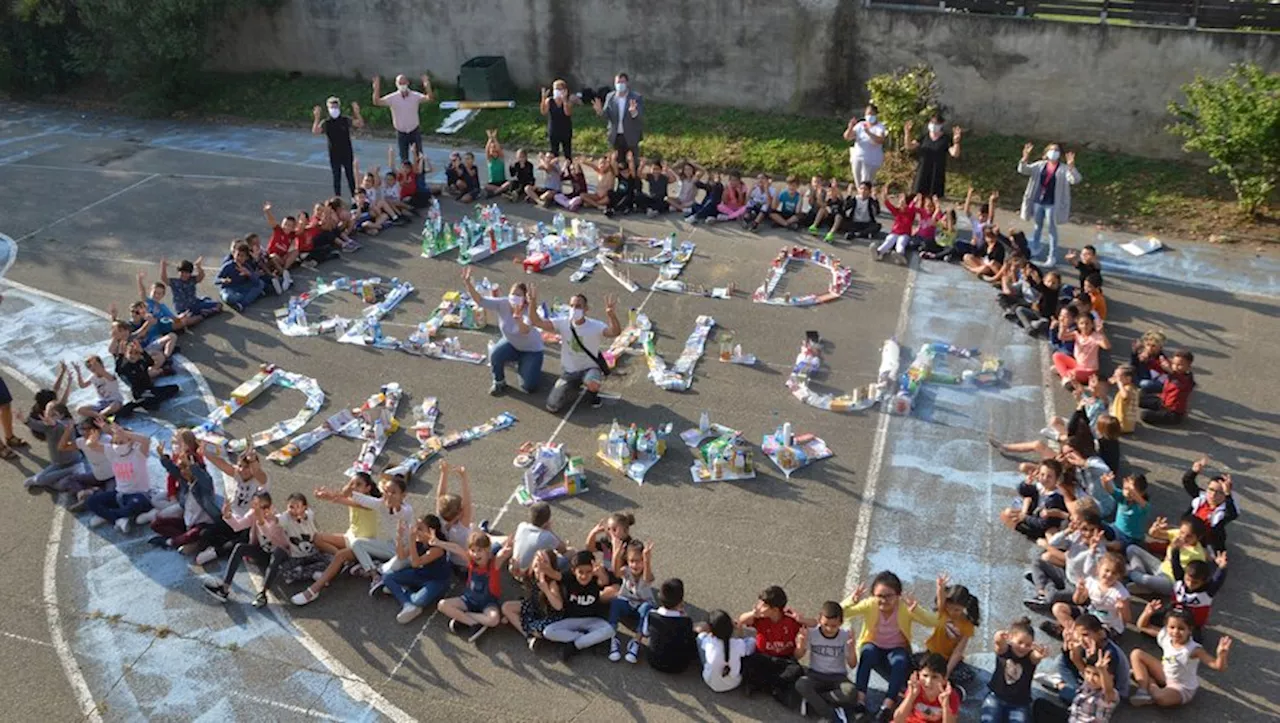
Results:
<point x="862" y="529"/>
<point x="307" y="712"/>
<point x="49" y="594"/>
<point x="195" y="176"/>
<point x="1047" y="382"/>
<point x="95" y="204"/>
<point x="25" y="639"/>
<point x="12" y="255"/>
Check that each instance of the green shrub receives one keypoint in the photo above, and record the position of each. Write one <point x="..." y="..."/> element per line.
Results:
<point x="1235" y="120"/>
<point x="35" y="46"/>
<point x="907" y="94"/>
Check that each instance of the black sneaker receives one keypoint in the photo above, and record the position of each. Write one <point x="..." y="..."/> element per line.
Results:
<point x="567" y="651"/>
<point x="1052" y="629"/>
<point x="261" y="600"/>
<point x="216" y="589"/>
<point x="1038" y="605"/>
<point x="158" y="540"/>
<point x="497" y="388"/>
<point x="484" y="526"/>
<point x="593" y="399"/>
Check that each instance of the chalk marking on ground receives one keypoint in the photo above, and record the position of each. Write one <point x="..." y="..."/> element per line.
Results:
<point x="95" y="204"/>
<point x="309" y="713"/>
<point x="862" y="529"/>
<point x="12" y="256"/>
<point x="25" y="639"/>
<point x="1048" y="380"/>
<point x="352" y="684"/>
<point x="49" y="592"/>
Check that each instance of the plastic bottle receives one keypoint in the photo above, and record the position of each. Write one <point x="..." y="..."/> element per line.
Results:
<point x="704" y="423"/>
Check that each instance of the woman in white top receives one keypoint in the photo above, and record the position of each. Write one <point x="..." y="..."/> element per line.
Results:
<point x="867" y="135"/>
<point x="721" y="652"/>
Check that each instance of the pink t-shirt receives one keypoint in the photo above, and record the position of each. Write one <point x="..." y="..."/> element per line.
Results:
<point x="888" y="634"/>
<point x="404" y="109"/>
<point x="1086" y="350"/>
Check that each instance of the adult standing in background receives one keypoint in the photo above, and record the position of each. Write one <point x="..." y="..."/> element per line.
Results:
<point x="404" y="104"/>
<point x="866" y="155"/>
<point x="557" y="106"/>
<point x="624" y="111"/>
<point x="932" y="151"/>
<point x="337" y="129"/>
<point x="1048" y="194"/>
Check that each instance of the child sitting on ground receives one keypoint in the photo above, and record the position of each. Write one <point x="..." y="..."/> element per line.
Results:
<point x="268" y="548"/>
<point x="455" y="511"/>
<point x="495" y="161"/>
<point x="479" y="606"/>
<point x="138" y="370"/>
<point x="412" y="180"/>
<point x="362" y="525"/>
<point x="858" y="215"/>
<point x="238" y="282"/>
<point x="633" y="566"/>
<point x="759" y="202"/>
<point x="524" y="184"/>
<point x="105" y="384"/>
<point x="1070" y="556"/>
<point x="425" y="581"/>
<point x="157" y="308"/>
<point x="306" y="559"/>
<point x="1214" y="505"/>
<point x="828" y="208"/>
<point x="1017" y="656"/>
<point x="1151" y="572"/>
<point x="658" y="179"/>
<point x="1132" y="507"/>
<point x="1124" y="404"/>
<point x="773" y="666"/>
<point x="668" y="631"/>
<point x="197" y="502"/>
<point x="1086" y="264"/>
<point x="884" y="642"/>
<point x="1101" y="594"/>
<point x="930" y="696"/>
<point x="132" y="496"/>
<point x="721" y="653"/>
<point x="1087" y="339"/>
<point x="1092" y="290"/>
<point x="532" y="537"/>
<point x="1173" y="678"/>
<point x="192" y="307"/>
<point x="583" y="591"/>
<point x="1094" y="701"/>
<point x="734" y="203"/>
<point x="1043" y="508"/>
<point x="825" y="688"/>
<point x="1171" y="404"/>
<point x="958" y="616"/>
<point x="1149" y="362"/>
<point x="786" y="209"/>
<point x="712" y="187"/>
<point x="904" y="216"/>
<point x="541" y="604"/>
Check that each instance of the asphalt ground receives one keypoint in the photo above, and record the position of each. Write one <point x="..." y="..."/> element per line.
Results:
<point x="93" y="201"/>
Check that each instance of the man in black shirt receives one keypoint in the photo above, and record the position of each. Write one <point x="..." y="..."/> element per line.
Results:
<point x="337" y="129"/>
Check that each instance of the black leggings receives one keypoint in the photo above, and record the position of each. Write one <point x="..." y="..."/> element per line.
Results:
<point x="562" y="145"/>
<point x="268" y="561"/>
<point x="776" y="675"/>
<point x="338" y="165"/>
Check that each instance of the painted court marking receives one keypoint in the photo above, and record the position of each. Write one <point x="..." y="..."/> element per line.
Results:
<point x="95" y="204"/>
<point x="862" y="529"/>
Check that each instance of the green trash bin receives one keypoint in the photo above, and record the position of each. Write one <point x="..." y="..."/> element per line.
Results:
<point x="486" y="78"/>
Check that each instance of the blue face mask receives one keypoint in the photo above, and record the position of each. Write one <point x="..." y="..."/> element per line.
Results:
<point x="620" y="88"/>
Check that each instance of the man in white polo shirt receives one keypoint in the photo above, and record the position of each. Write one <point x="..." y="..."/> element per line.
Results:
<point x="404" y="110"/>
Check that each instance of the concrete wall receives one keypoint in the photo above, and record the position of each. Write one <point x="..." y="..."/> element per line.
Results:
<point x="1082" y="83"/>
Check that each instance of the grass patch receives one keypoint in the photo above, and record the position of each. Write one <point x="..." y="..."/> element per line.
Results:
<point x="1120" y="190"/>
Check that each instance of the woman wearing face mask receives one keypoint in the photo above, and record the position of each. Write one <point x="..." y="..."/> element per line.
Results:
<point x="558" y="109"/>
<point x="521" y="340"/>
<point x="866" y="155"/>
<point x="1048" y="194"/>
<point x="932" y="150"/>
<point x="337" y="129"/>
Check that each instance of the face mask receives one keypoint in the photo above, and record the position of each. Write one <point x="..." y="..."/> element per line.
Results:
<point x="403" y="88"/>
<point x="515" y="300"/>
<point x="578" y="314"/>
<point x="935" y="127"/>
<point x="559" y="94"/>
<point x="871" y="119"/>
<point x="334" y="112"/>
<point x="620" y="87"/>
<point x="1052" y="154"/>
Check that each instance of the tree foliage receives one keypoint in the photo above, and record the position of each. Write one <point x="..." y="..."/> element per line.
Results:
<point x="907" y="94"/>
<point x="1235" y="120"/>
<point x="35" y="45"/>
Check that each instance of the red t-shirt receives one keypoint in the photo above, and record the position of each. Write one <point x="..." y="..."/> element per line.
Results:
<point x="929" y="709"/>
<point x="408" y="185"/>
<point x="306" y="242"/>
<point x="1176" y="395"/>
<point x="777" y="639"/>
<point x="281" y="241"/>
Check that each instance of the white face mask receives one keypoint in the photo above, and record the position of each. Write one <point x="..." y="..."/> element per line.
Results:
<point x="1052" y="154"/>
<point x="935" y="127"/>
<point x="515" y="300"/>
<point x="334" y="112"/>
<point x="578" y="314"/>
<point x="871" y="119"/>
<point x="403" y="88"/>
<point x="620" y="88"/>
<point x="559" y="93"/>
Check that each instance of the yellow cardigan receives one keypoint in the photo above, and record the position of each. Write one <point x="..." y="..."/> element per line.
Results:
<point x="867" y="611"/>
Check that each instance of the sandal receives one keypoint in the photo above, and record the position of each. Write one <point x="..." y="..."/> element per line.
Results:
<point x="15" y="442"/>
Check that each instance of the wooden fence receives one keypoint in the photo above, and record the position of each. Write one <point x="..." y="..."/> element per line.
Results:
<point x="1194" y="14"/>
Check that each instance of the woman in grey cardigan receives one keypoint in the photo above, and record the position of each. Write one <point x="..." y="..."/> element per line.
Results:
<point x="1048" y="194"/>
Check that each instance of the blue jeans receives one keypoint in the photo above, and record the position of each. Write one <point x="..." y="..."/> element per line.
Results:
<point x="893" y="665"/>
<point x="242" y="295"/>
<point x="619" y="607"/>
<point x="995" y="710"/>
<point x="529" y="364"/>
<point x="1070" y="676"/>
<point x="109" y="505"/>
<point x="428" y="591"/>
<point x="1040" y="212"/>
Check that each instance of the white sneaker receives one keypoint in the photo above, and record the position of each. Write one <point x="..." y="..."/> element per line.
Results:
<point x="304" y="597"/>
<point x="122" y="524"/>
<point x="615" y="650"/>
<point x="96" y="521"/>
<point x="147" y="517"/>
<point x="840" y="715"/>
<point x="207" y="555"/>
<point x="408" y="613"/>
<point x="287" y="278"/>
<point x="275" y="284"/>
<point x="633" y="651"/>
<point x="1049" y="433"/>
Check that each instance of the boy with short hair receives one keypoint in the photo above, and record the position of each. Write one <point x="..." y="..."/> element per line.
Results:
<point x="192" y="308"/>
<point x="826" y="688"/>
<point x="786" y="210"/>
<point x="283" y="247"/>
<point x="532" y="537"/>
<point x="582" y="593"/>
<point x="1171" y="404"/>
<point x="859" y="211"/>
<point x="773" y="666"/>
<point x="930" y="695"/>
<point x="669" y="632"/>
